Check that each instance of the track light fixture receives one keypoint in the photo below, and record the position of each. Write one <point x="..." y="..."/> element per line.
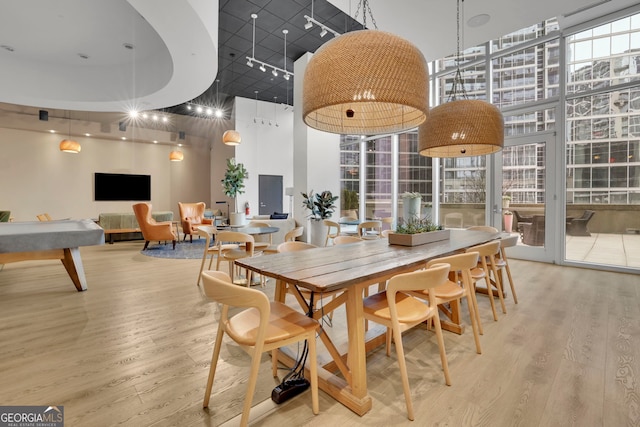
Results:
<point x="308" y="25"/>
<point x="263" y="65"/>
<point x="323" y="32"/>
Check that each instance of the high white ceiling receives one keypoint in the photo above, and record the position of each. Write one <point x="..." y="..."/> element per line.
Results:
<point x="175" y="43"/>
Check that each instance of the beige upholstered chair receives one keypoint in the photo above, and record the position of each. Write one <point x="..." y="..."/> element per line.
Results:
<point x="209" y="233"/>
<point x="487" y="271"/>
<point x="192" y="216"/>
<point x="152" y="230"/>
<point x="245" y="250"/>
<point x="399" y="311"/>
<point x="333" y="230"/>
<point x="262" y="326"/>
<point x="370" y="230"/>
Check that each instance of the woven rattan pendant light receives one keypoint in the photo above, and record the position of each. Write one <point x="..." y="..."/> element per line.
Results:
<point x="461" y="127"/>
<point x="231" y="137"/>
<point x="366" y="82"/>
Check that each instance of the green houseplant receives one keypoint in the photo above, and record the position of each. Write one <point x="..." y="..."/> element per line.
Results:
<point x="417" y="231"/>
<point x="349" y="202"/>
<point x="321" y="206"/>
<point x="233" y="183"/>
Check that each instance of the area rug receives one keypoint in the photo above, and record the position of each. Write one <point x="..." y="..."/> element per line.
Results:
<point x="184" y="249"/>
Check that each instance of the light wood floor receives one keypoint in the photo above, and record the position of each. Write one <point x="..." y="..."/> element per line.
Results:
<point x="134" y="350"/>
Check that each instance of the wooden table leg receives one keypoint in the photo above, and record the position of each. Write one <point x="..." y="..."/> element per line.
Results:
<point x="73" y="263"/>
<point x="357" y="358"/>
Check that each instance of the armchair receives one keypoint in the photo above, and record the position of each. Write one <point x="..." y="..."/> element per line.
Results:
<point x="533" y="233"/>
<point x="152" y="230"/>
<point x="191" y="217"/>
<point x="578" y="226"/>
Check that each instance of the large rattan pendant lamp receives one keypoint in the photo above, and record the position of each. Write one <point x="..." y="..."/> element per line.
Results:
<point x="461" y="127"/>
<point x="366" y="82"/>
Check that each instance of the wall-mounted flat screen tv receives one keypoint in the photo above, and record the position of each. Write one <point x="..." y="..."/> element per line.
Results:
<point x="121" y="187"/>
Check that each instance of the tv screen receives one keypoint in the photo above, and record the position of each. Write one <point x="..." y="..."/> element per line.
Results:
<point x="122" y="187"/>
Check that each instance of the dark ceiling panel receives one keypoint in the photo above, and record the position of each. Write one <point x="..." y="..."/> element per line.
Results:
<point x="235" y="37"/>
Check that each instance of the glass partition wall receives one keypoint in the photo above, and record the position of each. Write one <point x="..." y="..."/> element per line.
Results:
<point x="571" y="105"/>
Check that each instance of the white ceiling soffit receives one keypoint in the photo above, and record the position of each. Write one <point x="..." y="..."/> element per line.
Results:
<point x="174" y="55"/>
<point x="431" y="24"/>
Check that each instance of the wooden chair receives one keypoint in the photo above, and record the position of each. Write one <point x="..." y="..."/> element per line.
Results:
<point x="399" y="311"/>
<point x="486" y="269"/>
<point x="333" y="230"/>
<point x="503" y="263"/>
<point x="262" y="326"/>
<point x="261" y="242"/>
<point x="44" y="217"/>
<point x="459" y="285"/>
<point x="191" y="217"/>
<point x="152" y="230"/>
<point x="305" y="297"/>
<point x="291" y="236"/>
<point x="370" y="230"/>
<point x="209" y="232"/>
<point x="486" y="228"/>
<point x="343" y="240"/>
<point x="385" y="233"/>
<point x="245" y="250"/>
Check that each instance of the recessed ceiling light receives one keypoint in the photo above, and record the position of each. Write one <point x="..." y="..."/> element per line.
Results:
<point x="155" y="141"/>
<point x="124" y="138"/>
<point x="87" y="134"/>
<point x="478" y="20"/>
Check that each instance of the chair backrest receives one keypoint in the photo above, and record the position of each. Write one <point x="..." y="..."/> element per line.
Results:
<point x="347" y="219"/>
<point x="291" y="235"/>
<point x="488" y="249"/>
<point x="237" y="237"/>
<point x="294" y="246"/>
<point x="370" y="229"/>
<point x="261" y="238"/>
<point x="385" y="233"/>
<point x="333" y="230"/>
<point x="486" y="228"/>
<point x="343" y="240"/>
<point x="588" y="214"/>
<point x="218" y="287"/>
<point x="44" y="217"/>
<point x="207" y="231"/>
<point x="458" y="262"/>
<point x="142" y="212"/>
<point x="191" y="212"/>
<point x="419" y="280"/>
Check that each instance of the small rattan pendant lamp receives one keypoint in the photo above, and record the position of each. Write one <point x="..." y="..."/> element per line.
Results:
<point x="366" y="82"/>
<point x="461" y="127"/>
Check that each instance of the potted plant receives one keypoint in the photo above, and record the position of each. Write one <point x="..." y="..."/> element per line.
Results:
<point x="505" y="201"/>
<point x="233" y="185"/>
<point x="411" y="201"/>
<point x="321" y="206"/>
<point x="508" y="221"/>
<point x="417" y="231"/>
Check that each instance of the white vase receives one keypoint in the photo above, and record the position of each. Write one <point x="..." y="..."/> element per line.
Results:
<point x="411" y="208"/>
<point x="237" y="219"/>
<point x="318" y="232"/>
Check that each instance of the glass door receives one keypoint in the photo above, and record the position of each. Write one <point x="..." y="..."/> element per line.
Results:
<point x="523" y="197"/>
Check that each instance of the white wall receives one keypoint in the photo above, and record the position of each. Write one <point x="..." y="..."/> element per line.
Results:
<point x="266" y="149"/>
<point x="37" y="177"/>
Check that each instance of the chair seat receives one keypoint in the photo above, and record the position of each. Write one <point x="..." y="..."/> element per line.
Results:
<point x="284" y="323"/>
<point x="234" y="254"/>
<point x="411" y="310"/>
<point x="449" y="291"/>
<point x="477" y="273"/>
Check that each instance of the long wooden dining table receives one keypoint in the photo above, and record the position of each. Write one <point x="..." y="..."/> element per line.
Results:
<point x="351" y="268"/>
